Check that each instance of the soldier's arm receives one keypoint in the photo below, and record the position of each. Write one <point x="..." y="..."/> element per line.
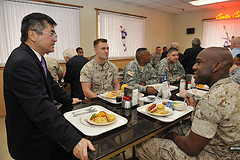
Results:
<point x="86" y="86"/>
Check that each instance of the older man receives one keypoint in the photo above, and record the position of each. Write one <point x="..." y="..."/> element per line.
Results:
<point x="171" y="67"/>
<point x="99" y="75"/>
<point x="235" y="46"/>
<point x="215" y="122"/>
<point x="140" y="72"/>
<point x="35" y="128"/>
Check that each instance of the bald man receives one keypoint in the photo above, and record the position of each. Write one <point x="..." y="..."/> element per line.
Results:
<point x="235" y="46"/>
<point x="215" y="122"/>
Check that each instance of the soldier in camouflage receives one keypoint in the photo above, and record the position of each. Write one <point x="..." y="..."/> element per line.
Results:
<point x="171" y="67"/>
<point x="235" y="69"/>
<point x="139" y="72"/>
<point x="215" y="119"/>
<point x="99" y="75"/>
<point x="54" y="68"/>
<point x="156" y="57"/>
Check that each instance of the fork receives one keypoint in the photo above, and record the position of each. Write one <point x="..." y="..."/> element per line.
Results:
<point x="88" y="110"/>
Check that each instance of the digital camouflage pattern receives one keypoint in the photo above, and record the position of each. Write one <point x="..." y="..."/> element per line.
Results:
<point x="235" y="74"/>
<point x="101" y="78"/>
<point x="216" y="117"/>
<point x="54" y="67"/>
<point x="155" y="58"/>
<point x="133" y="74"/>
<point x="176" y="69"/>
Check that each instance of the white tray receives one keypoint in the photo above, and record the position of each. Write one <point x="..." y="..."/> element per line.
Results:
<point x="175" y="115"/>
<point x="81" y="123"/>
<point x="158" y="85"/>
<point x="196" y="92"/>
<point x="111" y="100"/>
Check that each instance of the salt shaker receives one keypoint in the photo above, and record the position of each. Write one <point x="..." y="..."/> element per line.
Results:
<point x="182" y="84"/>
<point x="141" y="101"/>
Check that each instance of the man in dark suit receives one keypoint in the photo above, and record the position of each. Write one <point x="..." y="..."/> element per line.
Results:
<point x="35" y="128"/>
<point x="72" y="75"/>
<point x="190" y="54"/>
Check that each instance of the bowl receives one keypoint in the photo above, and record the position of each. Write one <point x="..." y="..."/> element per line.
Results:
<point x="179" y="105"/>
<point x="151" y="98"/>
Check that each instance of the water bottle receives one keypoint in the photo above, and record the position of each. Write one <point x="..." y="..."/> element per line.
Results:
<point x="182" y="84"/>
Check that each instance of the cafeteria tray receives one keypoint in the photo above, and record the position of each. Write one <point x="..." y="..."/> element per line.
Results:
<point x="110" y="100"/>
<point x="82" y="124"/>
<point x="175" y="115"/>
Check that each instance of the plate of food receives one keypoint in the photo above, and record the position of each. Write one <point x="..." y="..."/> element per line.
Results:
<point x="112" y="94"/>
<point x="158" y="109"/>
<point x="102" y="118"/>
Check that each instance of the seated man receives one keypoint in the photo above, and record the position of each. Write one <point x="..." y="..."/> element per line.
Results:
<point x="235" y="69"/>
<point x="139" y="72"/>
<point x="72" y="75"/>
<point x="215" y="122"/>
<point x="171" y="67"/>
<point x="156" y="57"/>
<point x="54" y="68"/>
<point x="99" y="75"/>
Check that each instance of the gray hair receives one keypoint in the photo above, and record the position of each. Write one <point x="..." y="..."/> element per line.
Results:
<point x="70" y="52"/>
<point x="196" y="42"/>
<point x="174" y="45"/>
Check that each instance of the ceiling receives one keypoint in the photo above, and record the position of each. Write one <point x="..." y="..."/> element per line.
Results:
<point x="176" y="7"/>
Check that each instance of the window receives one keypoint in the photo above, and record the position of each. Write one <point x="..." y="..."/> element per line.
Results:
<point x="12" y="13"/>
<point x="125" y="33"/>
<point x="215" y="32"/>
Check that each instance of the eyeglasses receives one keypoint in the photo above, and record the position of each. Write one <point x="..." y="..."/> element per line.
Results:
<point x="54" y="35"/>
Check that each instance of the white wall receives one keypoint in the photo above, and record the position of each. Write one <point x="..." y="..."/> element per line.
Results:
<point x="194" y="20"/>
<point x="159" y="26"/>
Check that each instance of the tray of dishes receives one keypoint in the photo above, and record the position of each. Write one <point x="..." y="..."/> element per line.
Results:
<point x="161" y="112"/>
<point x="159" y="85"/>
<point x="196" y="92"/>
<point x="110" y="100"/>
<point x="202" y="86"/>
<point x="96" y="121"/>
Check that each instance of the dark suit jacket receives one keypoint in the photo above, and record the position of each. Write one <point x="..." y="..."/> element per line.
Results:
<point x="189" y="58"/>
<point x="73" y="68"/>
<point x="33" y="123"/>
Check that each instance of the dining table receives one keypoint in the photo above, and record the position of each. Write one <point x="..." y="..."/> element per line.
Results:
<point x="139" y="127"/>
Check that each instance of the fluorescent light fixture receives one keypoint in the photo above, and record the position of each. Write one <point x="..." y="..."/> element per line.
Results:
<point x="203" y="2"/>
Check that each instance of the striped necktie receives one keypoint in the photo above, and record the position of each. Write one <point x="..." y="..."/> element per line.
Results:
<point x="44" y="66"/>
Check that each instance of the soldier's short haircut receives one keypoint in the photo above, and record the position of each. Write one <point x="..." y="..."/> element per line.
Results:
<point x="172" y="50"/>
<point x="158" y="47"/>
<point x="139" y="52"/>
<point x="97" y="41"/>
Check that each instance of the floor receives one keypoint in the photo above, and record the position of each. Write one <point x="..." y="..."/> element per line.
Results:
<point x="4" y="154"/>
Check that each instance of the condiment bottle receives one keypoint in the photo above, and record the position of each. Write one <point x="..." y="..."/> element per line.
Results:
<point x="182" y="84"/>
<point x="189" y="85"/>
<point x="127" y="103"/>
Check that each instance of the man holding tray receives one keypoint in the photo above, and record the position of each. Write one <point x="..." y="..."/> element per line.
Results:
<point x="215" y="125"/>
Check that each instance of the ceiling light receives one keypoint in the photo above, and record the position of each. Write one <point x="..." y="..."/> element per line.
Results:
<point x="203" y="2"/>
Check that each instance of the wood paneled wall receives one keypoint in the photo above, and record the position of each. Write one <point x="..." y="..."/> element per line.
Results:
<point x="120" y="63"/>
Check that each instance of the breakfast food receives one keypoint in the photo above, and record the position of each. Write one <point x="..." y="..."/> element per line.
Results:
<point x="102" y="117"/>
<point x="112" y="94"/>
<point x="157" y="109"/>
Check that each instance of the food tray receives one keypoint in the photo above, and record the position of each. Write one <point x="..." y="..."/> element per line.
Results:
<point x="175" y="115"/>
<point x="81" y="122"/>
<point x="110" y="100"/>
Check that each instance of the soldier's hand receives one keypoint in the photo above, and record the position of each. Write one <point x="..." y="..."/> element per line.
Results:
<point x="151" y="90"/>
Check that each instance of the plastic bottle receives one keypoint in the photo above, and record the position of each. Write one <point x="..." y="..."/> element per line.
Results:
<point x="189" y="85"/>
<point x="141" y="101"/>
<point x="127" y="103"/>
<point x="182" y="84"/>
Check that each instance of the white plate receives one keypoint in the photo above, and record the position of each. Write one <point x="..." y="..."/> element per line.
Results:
<point x="205" y="87"/>
<point x="175" y="115"/>
<point x="158" y="85"/>
<point x="110" y="100"/>
<point x="98" y="124"/>
<point x="82" y="124"/>
<point x="166" y="109"/>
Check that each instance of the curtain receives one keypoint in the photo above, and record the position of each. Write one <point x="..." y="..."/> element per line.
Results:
<point x="214" y="33"/>
<point x="12" y="13"/>
<point x="124" y="33"/>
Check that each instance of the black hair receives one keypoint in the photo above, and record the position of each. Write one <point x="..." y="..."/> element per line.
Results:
<point x="79" y="48"/>
<point x="35" y="21"/>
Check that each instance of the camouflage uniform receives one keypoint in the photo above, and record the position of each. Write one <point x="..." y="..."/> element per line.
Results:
<point x="235" y="74"/>
<point x="216" y="117"/>
<point x="155" y="58"/>
<point x="133" y="74"/>
<point x="176" y="69"/>
<point x="54" y="67"/>
<point x="101" y="78"/>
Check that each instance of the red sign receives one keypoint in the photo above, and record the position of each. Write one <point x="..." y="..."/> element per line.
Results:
<point x="228" y="16"/>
